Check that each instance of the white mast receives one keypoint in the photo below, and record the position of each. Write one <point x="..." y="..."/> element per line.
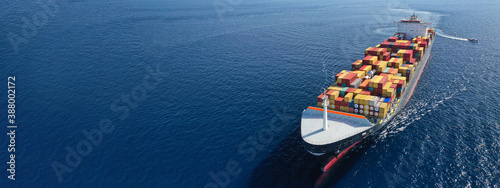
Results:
<point x="325" y="111"/>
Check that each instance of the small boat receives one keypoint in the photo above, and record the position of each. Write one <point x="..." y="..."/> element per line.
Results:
<point x="472" y="40"/>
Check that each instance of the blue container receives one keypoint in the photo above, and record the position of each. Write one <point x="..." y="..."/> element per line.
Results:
<point x="387" y="100"/>
<point x="370" y="88"/>
<point x="351" y="104"/>
<point x="343" y="85"/>
<point x="343" y="91"/>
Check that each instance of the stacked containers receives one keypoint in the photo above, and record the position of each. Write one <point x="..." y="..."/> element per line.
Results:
<point x="340" y="75"/>
<point x="357" y="64"/>
<point x="356" y="83"/>
<point x="380" y="66"/>
<point x="423" y="44"/>
<point x="395" y="62"/>
<point x="361" y="74"/>
<point x="371" y="106"/>
<point x="366" y="68"/>
<point x="347" y="103"/>
<point x="407" y="55"/>
<point x="369" y="60"/>
<point x="383" y="109"/>
<point x="332" y="95"/>
<point x="364" y="85"/>
<point x="349" y="78"/>
<point x="338" y="102"/>
<point x="392" y="39"/>
<point x="380" y="53"/>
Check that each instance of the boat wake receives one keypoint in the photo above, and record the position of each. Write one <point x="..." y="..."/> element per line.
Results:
<point x="442" y="34"/>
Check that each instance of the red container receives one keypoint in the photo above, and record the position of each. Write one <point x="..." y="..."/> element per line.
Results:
<point x="385" y="44"/>
<point x="351" y="109"/>
<point x="320" y="98"/>
<point x="394" y="86"/>
<point x="329" y="93"/>
<point x="349" y="78"/>
<point x="338" y="100"/>
<point x="351" y="90"/>
<point x="423" y="44"/>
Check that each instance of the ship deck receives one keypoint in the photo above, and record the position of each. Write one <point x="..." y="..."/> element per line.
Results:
<point x="340" y="126"/>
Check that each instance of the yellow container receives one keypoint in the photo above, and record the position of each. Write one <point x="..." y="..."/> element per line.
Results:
<point x="334" y="95"/>
<point x="398" y="78"/>
<point x="336" y="88"/>
<point x="384" y="107"/>
<point x="366" y="100"/>
<point x="357" y="92"/>
<point x="382" y="114"/>
<point x="361" y="74"/>
<point x="370" y="84"/>
<point x="356" y="98"/>
<point x="348" y="97"/>
<point x="381" y="66"/>
<point x="390" y="92"/>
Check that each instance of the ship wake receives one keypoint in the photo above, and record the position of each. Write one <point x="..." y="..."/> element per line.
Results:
<point x="442" y="34"/>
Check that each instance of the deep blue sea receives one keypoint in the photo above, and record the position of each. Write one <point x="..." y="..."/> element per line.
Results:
<point x="192" y="93"/>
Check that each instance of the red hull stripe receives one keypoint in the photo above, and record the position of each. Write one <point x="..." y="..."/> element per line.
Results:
<point x="333" y="161"/>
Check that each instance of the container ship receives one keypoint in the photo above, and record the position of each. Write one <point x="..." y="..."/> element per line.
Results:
<point x="366" y="97"/>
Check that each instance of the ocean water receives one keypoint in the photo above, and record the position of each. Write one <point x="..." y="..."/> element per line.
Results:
<point x="210" y="93"/>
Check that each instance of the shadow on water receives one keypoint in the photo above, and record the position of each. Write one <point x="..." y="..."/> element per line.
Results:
<point x="290" y="165"/>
